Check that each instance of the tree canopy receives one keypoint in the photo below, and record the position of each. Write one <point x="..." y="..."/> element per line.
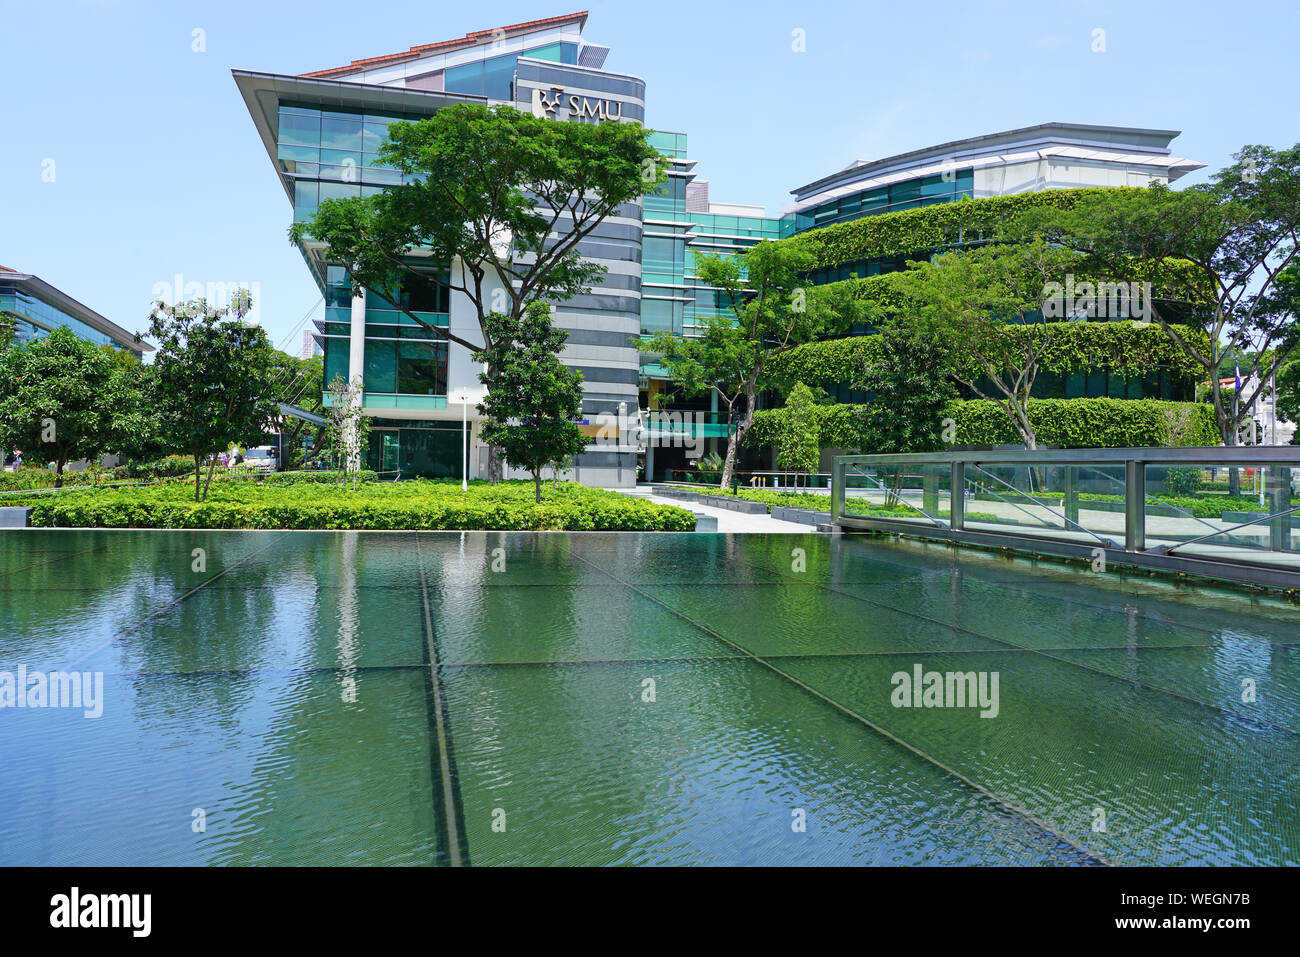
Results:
<point x="63" y="399"/>
<point x="210" y="385"/>
<point x="1241" y="234"/>
<point x="770" y="312"/>
<point x="530" y="413"/>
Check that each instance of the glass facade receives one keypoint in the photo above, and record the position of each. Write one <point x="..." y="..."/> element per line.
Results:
<point x="327" y="154"/>
<point x="672" y="298"/>
<point x="402" y="357"/>
<point x="38" y="318"/>
<point x="909" y="194"/>
<point x="330" y="154"/>
<point x="425" y="447"/>
<point x="492" y="77"/>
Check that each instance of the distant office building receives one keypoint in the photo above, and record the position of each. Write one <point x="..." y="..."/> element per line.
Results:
<point x="1033" y="158"/>
<point x="310" y="345"/>
<point x="40" y="308"/>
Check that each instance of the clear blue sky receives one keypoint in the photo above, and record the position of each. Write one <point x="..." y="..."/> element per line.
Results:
<point x="158" y="170"/>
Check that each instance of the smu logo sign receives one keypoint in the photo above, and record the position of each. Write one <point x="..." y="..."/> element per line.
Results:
<point x="552" y="104"/>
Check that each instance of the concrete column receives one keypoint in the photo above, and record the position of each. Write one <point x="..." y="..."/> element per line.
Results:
<point x="357" y="364"/>
<point x="357" y="338"/>
<point x="1135" y="498"/>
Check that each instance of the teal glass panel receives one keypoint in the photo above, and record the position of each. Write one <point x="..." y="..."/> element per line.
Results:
<point x="421" y="369"/>
<point x="336" y="360"/>
<point x="467" y="78"/>
<point x="341" y="134"/>
<point x="339" y="191"/>
<point x="551" y="52"/>
<point x="381" y="366"/>
<point x="498" y="75"/>
<point x="304" y="199"/>
<point x="431" y="452"/>
<point x="298" y="154"/>
<point x="299" y="130"/>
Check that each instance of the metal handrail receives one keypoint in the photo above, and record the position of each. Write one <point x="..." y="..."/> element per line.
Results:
<point x="940" y="523"/>
<point x="1209" y="456"/>
<point x="1061" y="515"/>
<point x="1241" y="558"/>
<point x="1167" y="549"/>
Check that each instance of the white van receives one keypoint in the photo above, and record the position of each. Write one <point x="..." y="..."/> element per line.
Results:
<point x="261" y="458"/>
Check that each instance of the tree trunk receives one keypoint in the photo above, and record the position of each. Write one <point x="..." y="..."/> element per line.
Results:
<point x="58" y="472"/>
<point x="496" y="464"/>
<point x="198" y="475"/>
<point x="537" y="486"/>
<point x="735" y="438"/>
<point x="211" y="468"/>
<point x="1023" y="427"/>
<point x="729" y="463"/>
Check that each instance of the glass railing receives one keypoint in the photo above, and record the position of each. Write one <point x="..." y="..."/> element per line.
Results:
<point x="1224" y="512"/>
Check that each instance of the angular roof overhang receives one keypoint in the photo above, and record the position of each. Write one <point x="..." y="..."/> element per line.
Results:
<point x="475" y="38"/>
<point x="60" y="300"/>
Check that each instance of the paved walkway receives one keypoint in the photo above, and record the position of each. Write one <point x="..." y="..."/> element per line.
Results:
<point x="728" y="521"/>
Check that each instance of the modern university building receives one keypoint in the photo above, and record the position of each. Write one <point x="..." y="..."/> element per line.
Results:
<point x="38" y="308"/>
<point x="322" y="131"/>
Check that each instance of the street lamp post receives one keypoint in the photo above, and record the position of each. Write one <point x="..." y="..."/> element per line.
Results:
<point x="465" y="396"/>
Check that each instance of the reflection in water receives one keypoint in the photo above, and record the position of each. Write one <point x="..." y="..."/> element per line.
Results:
<point x="349" y="618"/>
<point x="243" y="699"/>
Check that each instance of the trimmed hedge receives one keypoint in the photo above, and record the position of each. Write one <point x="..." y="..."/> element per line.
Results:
<point x="1200" y="506"/>
<point x="1065" y="423"/>
<point x="1124" y="347"/>
<point x="419" y="504"/>
<point x="937" y="227"/>
<point x="318" y="478"/>
<point x="1091" y="423"/>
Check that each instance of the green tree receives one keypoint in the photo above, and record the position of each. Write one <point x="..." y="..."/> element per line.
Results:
<point x="8" y="328"/>
<point x="63" y="398"/>
<point x="1240" y="232"/>
<point x="500" y="197"/>
<point x="347" y="427"/>
<point x="300" y="383"/>
<point x="798" y="444"/>
<point x="210" y="383"/>
<point x="911" y="377"/>
<point x="1288" y="391"/>
<point x="531" y="410"/>
<point x="124" y="359"/>
<point x="988" y="303"/>
<point x="771" y="313"/>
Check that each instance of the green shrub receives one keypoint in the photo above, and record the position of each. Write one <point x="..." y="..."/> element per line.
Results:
<point x="1182" y="480"/>
<point x="318" y="478"/>
<point x="1065" y="423"/>
<point x="1125" y="348"/>
<point x="419" y="504"/>
<point x="166" y="467"/>
<point x="1202" y="507"/>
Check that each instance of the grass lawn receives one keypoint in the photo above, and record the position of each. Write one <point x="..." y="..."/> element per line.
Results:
<point x="425" y="504"/>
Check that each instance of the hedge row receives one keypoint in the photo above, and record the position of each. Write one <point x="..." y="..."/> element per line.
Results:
<point x="1125" y="348"/>
<point x="936" y="227"/>
<point x="1065" y="423"/>
<point x="407" y="505"/>
<point x="318" y="478"/>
